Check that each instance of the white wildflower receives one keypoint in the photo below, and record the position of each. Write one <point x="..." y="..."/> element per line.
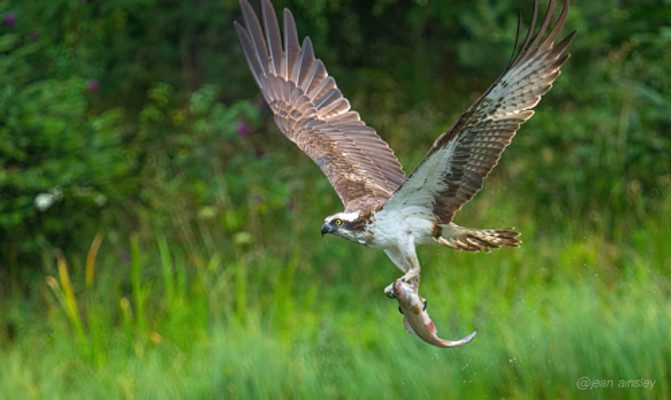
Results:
<point x="43" y="201"/>
<point x="100" y="199"/>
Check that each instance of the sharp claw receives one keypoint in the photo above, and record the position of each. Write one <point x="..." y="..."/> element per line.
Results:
<point x="389" y="292"/>
<point x="399" y="310"/>
<point x="409" y="277"/>
<point x="426" y="303"/>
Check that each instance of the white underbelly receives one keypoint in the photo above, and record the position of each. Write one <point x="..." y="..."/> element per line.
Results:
<point x="398" y="230"/>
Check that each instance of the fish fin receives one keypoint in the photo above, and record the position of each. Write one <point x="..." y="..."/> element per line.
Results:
<point x="407" y="326"/>
<point x="431" y="327"/>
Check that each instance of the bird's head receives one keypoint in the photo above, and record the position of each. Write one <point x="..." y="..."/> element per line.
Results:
<point x="344" y="224"/>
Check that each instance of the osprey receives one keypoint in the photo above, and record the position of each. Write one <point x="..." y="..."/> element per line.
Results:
<point x="383" y="208"/>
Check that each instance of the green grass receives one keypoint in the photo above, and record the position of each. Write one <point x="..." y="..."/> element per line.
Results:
<point x="307" y="319"/>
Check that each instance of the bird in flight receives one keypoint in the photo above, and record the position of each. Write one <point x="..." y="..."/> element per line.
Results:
<point x="384" y="209"/>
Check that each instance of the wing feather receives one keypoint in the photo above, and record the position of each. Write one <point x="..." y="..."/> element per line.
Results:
<point x="307" y="59"/>
<point x="291" y="46"/>
<point x="311" y="111"/>
<point x="274" y="41"/>
<point x="455" y="167"/>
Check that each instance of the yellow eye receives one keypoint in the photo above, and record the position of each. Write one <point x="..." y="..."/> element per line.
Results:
<point x="338" y="222"/>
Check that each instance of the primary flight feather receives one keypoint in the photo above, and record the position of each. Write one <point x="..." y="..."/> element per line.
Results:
<point x="383" y="209"/>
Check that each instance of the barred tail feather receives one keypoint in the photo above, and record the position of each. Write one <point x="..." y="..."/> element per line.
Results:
<point x="460" y="238"/>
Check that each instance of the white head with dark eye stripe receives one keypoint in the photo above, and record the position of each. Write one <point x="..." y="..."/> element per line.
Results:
<point x="343" y="224"/>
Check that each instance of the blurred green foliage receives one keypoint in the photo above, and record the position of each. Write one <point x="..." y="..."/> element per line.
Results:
<point x="119" y="109"/>
<point x="139" y="120"/>
<point x="75" y="154"/>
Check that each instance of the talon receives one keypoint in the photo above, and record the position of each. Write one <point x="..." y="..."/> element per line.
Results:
<point x="389" y="292"/>
<point x="409" y="277"/>
<point x="426" y="303"/>
<point x="399" y="310"/>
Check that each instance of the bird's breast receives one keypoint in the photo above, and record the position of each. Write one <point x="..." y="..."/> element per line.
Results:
<point x="391" y="229"/>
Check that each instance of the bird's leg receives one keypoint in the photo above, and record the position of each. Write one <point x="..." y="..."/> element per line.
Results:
<point x="411" y="264"/>
<point x="407" y="262"/>
<point x="412" y="274"/>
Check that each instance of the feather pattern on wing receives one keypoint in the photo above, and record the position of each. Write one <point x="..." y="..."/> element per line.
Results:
<point x="455" y="167"/>
<point x="311" y="111"/>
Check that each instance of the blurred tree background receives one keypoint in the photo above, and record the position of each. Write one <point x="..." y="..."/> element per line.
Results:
<point x="116" y="109"/>
<point x="125" y="117"/>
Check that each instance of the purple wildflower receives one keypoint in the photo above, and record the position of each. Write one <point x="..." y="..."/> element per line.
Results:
<point x="243" y="129"/>
<point x="93" y="86"/>
<point x="291" y="205"/>
<point x="10" y="19"/>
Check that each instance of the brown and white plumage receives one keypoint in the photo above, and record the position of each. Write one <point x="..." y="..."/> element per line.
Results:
<point x="463" y="156"/>
<point x="312" y="112"/>
<point x="383" y="209"/>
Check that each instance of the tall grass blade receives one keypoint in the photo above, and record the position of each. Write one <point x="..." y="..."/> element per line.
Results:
<point x="240" y="291"/>
<point x="71" y="306"/>
<point x="168" y="275"/>
<point x="91" y="260"/>
<point x="136" y="283"/>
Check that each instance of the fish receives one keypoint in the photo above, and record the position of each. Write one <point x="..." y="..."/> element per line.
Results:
<point x="416" y="319"/>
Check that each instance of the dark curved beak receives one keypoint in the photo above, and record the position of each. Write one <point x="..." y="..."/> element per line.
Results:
<point x="327" y="228"/>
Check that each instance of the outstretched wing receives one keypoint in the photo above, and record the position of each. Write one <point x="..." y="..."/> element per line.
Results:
<point x="461" y="158"/>
<point x="311" y="111"/>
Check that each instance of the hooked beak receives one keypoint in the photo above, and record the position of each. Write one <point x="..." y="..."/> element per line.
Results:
<point x="327" y="228"/>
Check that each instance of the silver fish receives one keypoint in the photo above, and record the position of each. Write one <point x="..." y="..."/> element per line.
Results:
<point x="415" y="317"/>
